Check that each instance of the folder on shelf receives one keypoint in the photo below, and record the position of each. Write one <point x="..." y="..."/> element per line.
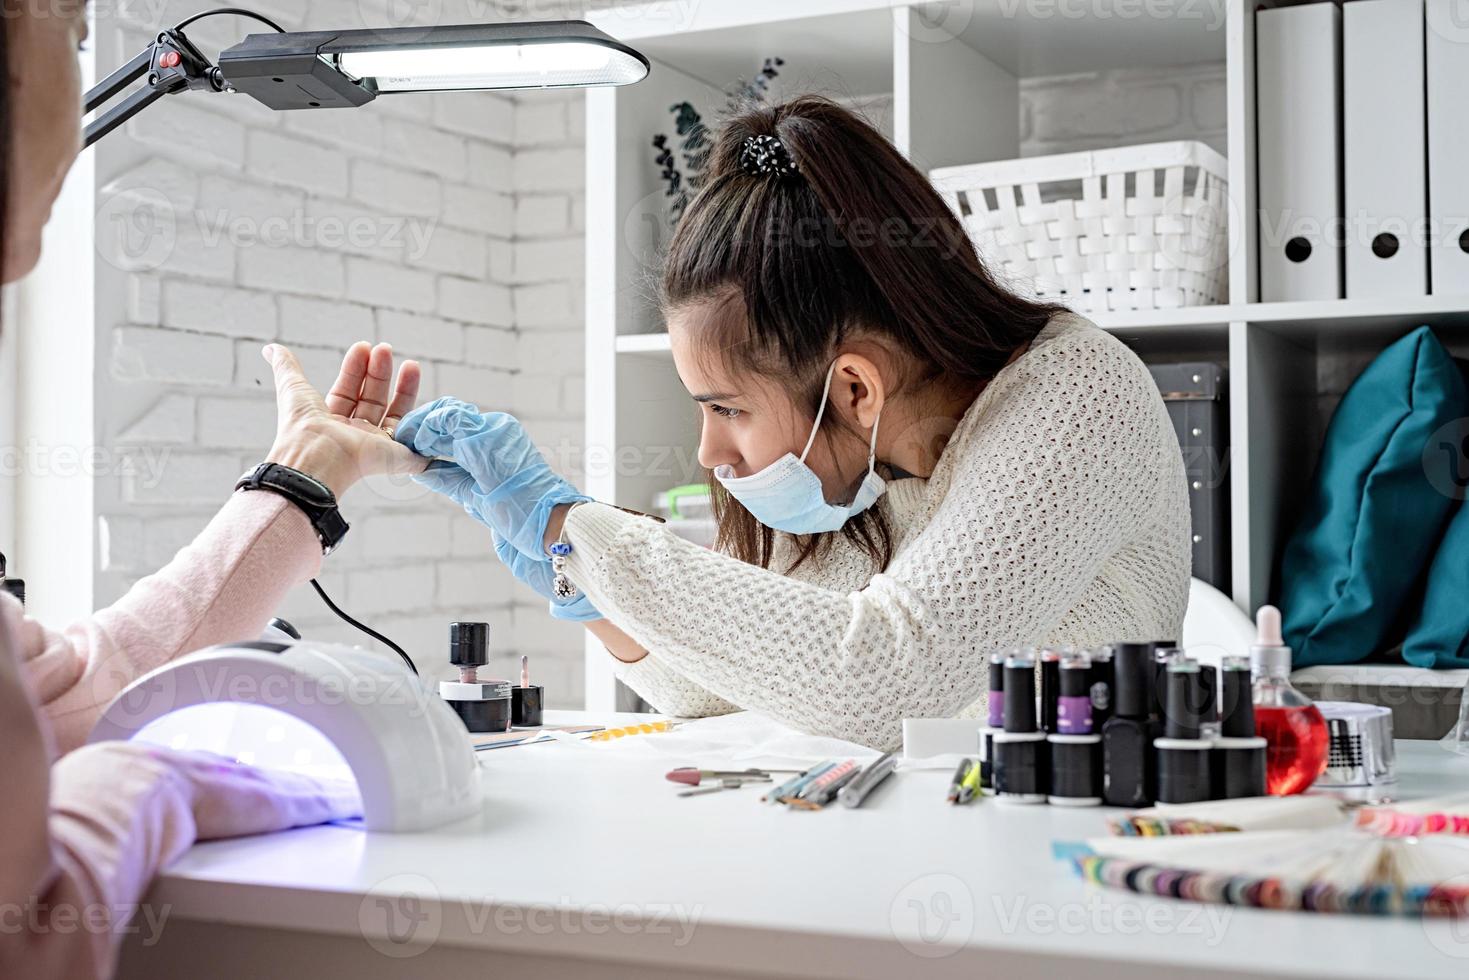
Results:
<point x="1447" y="62"/>
<point x="1298" y="120"/>
<point x="1384" y="148"/>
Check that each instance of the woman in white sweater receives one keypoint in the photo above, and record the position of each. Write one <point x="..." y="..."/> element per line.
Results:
<point x="989" y="471"/>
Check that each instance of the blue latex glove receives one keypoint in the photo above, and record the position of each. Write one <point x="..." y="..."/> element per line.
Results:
<point x="497" y="475"/>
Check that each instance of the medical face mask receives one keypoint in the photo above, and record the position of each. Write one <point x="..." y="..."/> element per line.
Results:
<point x="787" y="495"/>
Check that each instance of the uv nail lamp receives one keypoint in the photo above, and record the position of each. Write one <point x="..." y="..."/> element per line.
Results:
<point x="321" y="709"/>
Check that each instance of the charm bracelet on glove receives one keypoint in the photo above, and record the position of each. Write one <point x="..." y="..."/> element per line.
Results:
<point x="560" y="548"/>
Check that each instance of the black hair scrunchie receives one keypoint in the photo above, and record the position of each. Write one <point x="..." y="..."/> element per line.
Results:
<point x="762" y="156"/>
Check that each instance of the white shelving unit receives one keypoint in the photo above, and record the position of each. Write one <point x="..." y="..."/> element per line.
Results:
<point x="942" y="80"/>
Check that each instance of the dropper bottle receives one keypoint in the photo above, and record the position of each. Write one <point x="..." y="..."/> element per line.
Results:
<point x="1293" y="729"/>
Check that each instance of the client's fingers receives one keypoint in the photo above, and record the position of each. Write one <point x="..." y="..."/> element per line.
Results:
<point x="372" y="403"/>
<point x="342" y="399"/>
<point x="410" y="375"/>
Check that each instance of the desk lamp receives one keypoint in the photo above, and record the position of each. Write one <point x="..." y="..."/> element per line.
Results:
<point x="341" y="69"/>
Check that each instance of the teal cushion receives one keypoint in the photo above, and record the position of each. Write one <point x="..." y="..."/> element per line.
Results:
<point x="1439" y="633"/>
<point x="1377" y="506"/>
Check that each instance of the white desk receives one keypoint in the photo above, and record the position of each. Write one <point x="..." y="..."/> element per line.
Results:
<point x="582" y="866"/>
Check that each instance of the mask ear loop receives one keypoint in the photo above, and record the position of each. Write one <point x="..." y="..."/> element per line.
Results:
<point x="825" y="390"/>
<point x="872" y="446"/>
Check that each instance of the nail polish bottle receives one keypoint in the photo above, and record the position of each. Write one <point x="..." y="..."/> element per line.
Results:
<point x="1075" y="748"/>
<point x="1127" y="738"/>
<point x="1101" y="686"/>
<point x="1183" y="754"/>
<point x="1050" y="688"/>
<point x="1021" y="769"/>
<point x="1239" y="754"/>
<point x="995" y="721"/>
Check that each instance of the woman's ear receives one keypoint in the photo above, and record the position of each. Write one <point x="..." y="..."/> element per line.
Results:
<point x="858" y="389"/>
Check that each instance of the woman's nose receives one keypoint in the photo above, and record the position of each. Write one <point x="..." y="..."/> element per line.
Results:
<point x="714" y="450"/>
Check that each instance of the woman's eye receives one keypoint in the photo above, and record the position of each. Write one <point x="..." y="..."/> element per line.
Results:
<point x="728" y="413"/>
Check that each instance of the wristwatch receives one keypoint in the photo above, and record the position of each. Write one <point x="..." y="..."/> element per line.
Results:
<point x="313" y="497"/>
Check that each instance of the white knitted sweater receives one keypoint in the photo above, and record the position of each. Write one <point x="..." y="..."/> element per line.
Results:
<point x="1057" y="514"/>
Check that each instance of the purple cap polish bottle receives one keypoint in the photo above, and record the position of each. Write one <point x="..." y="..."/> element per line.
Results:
<point x="1074" y="703"/>
<point x="997" y="691"/>
<point x="1075" y="748"/>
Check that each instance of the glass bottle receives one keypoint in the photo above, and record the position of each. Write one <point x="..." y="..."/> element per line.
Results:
<point x="1294" y="731"/>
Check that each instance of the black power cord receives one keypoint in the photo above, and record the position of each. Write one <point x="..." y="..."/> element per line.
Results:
<point x="366" y="629"/>
<point x="235" y="11"/>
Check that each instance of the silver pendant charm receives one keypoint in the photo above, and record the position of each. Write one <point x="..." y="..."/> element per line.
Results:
<point x="561" y="585"/>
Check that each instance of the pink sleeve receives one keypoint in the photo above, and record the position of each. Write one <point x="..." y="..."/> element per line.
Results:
<point x="220" y="588"/>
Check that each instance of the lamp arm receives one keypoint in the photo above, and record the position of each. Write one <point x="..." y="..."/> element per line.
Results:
<point x="104" y="90"/>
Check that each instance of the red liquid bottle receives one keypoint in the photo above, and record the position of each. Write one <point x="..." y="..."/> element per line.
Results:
<point x="1294" y="731"/>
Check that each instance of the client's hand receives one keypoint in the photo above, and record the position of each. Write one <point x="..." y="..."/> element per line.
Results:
<point x="118" y="784"/>
<point x="499" y="477"/>
<point x="349" y="434"/>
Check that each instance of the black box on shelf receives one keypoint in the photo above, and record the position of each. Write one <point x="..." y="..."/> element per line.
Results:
<point x="1195" y="395"/>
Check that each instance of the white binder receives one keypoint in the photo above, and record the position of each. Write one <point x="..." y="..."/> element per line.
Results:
<point x="1298" y="122"/>
<point x="1384" y="148"/>
<point x="1448" y="145"/>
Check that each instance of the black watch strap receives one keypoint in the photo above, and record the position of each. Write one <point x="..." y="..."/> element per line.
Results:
<point x="312" y="496"/>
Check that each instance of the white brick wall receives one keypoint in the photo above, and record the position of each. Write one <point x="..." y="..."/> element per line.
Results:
<point x="223" y="225"/>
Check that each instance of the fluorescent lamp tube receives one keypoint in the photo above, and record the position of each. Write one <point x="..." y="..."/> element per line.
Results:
<point x="549" y="64"/>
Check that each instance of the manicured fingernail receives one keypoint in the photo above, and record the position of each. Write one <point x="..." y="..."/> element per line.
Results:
<point x="268" y="352"/>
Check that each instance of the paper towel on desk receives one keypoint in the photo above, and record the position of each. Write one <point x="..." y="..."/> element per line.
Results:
<point x="736" y="741"/>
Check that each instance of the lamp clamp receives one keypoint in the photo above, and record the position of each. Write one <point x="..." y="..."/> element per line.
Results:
<point x="171" y="63"/>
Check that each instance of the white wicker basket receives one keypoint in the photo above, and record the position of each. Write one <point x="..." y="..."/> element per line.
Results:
<point x="1132" y="228"/>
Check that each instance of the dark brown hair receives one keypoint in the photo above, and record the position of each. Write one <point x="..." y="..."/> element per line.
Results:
<point x="856" y="243"/>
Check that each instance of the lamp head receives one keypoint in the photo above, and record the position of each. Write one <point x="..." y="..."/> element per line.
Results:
<point x="325" y="69"/>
